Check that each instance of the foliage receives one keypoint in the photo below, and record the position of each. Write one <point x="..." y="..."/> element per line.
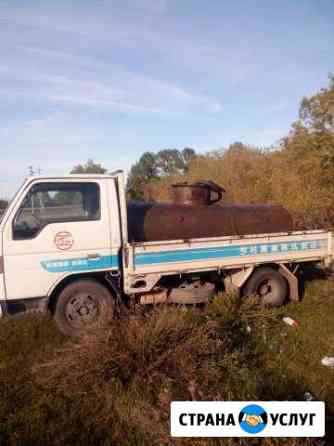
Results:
<point x="317" y="113"/>
<point x="151" y="167"/>
<point x="142" y="173"/>
<point x="303" y="179"/>
<point x="89" y="167"/>
<point x="242" y="170"/>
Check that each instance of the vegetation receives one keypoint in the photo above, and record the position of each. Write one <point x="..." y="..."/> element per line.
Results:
<point x="298" y="173"/>
<point x="115" y="387"/>
<point x="152" y="167"/>
<point x="89" y="167"/>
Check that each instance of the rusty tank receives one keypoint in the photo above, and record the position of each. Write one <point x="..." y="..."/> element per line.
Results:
<point x="195" y="213"/>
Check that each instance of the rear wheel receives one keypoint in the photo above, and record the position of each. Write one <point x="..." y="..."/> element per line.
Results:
<point x="268" y="285"/>
<point x="82" y="306"/>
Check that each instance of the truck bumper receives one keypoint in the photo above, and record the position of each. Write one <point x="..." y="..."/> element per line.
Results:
<point x="20" y="306"/>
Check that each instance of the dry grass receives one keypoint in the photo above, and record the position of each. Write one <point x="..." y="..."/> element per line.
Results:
<point x="115" y="387"/>
<point x="132" y="370"/>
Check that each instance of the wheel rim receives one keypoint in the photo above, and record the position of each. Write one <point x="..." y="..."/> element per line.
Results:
<point x="82" y="309"/>
<point x="267" y="289"/>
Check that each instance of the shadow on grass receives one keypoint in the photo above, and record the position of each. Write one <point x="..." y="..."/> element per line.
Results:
<point x="311" y="273"/>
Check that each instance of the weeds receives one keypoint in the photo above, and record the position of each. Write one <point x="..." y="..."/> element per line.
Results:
<point x="114" y="387"/>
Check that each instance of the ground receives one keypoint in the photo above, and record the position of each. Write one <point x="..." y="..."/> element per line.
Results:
<point x="116" y="388"/>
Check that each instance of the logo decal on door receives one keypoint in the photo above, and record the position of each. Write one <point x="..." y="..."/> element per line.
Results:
<point x="64" y="240"/>
<point x="81" y="264"/>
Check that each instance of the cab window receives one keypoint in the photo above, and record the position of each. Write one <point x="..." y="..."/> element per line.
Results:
<point x="47" y="203"/>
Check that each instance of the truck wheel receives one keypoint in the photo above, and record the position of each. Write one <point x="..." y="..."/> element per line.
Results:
<point x="269" y="285"/>
<point x="82" y="306"/>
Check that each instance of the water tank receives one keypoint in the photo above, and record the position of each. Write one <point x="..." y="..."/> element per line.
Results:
<point x="194" y="213"/>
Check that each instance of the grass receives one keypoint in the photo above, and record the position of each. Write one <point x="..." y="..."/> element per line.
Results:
<point x="115" y="387"/>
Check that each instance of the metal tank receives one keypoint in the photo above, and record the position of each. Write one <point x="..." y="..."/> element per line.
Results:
<point x="194" y="213"/>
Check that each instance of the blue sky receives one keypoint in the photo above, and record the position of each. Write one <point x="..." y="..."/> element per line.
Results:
<point x="110" y="79"/>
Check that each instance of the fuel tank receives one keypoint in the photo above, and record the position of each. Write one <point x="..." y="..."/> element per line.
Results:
<point x="195" y="214"/>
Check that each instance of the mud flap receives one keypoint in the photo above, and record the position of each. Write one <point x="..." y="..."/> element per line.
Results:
<point x="292" y="281"/>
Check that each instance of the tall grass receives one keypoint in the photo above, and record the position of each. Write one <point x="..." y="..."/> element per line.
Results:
<point x="114" y="387"/>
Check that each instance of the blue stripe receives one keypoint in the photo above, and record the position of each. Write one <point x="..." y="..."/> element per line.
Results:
<point x="183" y="255"/>
<point x="188" y="255"/>
<point x="80" y="264"/>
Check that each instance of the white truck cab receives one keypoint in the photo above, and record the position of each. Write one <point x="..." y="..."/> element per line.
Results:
<point x="64" y="248"/>
<point x="53" y="228"/>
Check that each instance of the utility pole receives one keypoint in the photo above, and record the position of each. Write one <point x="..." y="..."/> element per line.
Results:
<point x="32" y="171"/>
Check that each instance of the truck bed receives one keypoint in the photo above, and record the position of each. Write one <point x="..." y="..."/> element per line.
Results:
<point x="170" y="257"/>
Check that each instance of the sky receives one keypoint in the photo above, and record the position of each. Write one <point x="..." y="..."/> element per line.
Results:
<point x="110" y="79"/>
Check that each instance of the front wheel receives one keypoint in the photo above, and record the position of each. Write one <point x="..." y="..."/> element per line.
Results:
<point x="83" y="305"/>
<point x="268" y="285"/>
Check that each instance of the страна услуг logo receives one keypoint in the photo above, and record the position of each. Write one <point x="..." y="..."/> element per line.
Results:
<point x="253" y="419"/>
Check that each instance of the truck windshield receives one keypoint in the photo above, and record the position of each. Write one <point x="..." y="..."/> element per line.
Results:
<point x="48" y="203"/>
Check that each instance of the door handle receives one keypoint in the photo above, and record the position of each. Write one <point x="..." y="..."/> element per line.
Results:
<point x="94" y="256"/>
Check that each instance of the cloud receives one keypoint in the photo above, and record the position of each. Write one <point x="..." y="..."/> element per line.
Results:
<point x="139" y="26"/>
<point x="111" y="86"/>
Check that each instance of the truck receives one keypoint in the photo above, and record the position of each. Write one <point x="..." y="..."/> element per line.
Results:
<point x="65" y="249"/>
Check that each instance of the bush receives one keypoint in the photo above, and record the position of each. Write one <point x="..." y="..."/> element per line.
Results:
<point x="114" y="387"/>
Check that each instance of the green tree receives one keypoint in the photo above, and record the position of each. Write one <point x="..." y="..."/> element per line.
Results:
<point x="173" y="161"/>
<point x="151" y="167"/>
<point x="144" y="171"/>
<point x="188" y="154"/>
<point x="89" y="167"/>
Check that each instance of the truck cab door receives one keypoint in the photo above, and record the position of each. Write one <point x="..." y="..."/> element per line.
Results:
<point x="59" y="228"/>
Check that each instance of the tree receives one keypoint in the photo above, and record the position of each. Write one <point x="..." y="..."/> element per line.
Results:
<point x="142" y="172"/>
<point x="314" y="132"/>
<point x="307" y="162"/>
<point x="172" y="161"/>
<point x="151" y="167"/>
<point x="188" y="154"/>
<point x="317" y="112"/>
<point x="89" y="167"/>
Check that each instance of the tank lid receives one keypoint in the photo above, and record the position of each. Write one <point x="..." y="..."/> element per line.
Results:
<point x="196" y="194"/>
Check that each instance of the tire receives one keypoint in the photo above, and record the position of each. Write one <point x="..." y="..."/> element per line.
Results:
<point x="82" y="306"/>
<point x="269" y="285"/>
